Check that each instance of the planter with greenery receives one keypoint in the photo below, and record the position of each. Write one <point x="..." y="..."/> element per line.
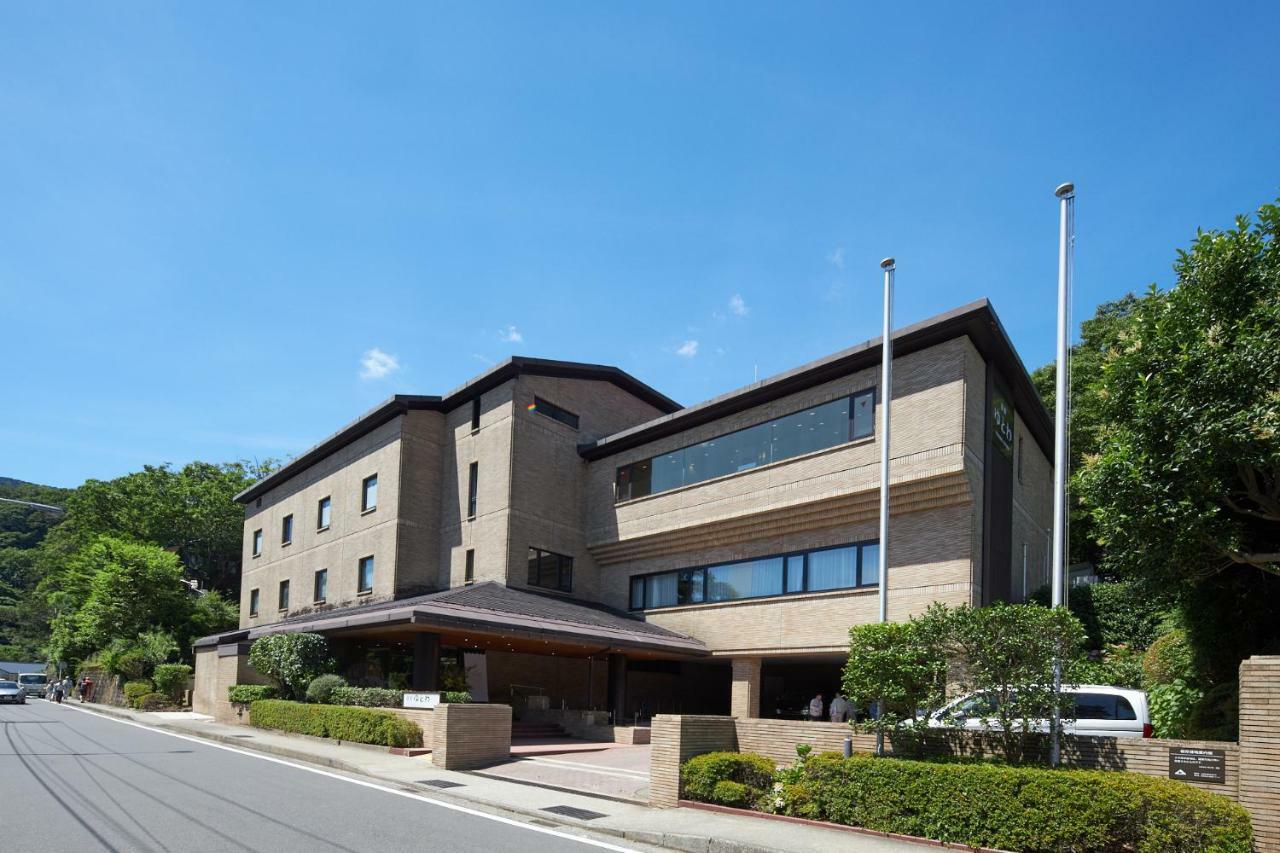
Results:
<point x="358" y="725"/>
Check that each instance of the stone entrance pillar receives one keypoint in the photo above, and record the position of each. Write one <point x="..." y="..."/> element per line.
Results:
<point x="744" y="693"/>
<point x="617" y="692"/>
<point x="426" y="661"/>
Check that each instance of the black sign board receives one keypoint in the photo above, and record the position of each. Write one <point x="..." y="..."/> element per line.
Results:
<point x="1198" y="765"/>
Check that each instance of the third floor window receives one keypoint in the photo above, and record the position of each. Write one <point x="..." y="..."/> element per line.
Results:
<point x="369" y="493"/>
<point x="323" y="511"/>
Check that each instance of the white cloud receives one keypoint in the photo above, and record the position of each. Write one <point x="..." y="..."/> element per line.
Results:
<point x="377" y="364"/>
<point x="836" y="258"/>
<point x="688" y="349"/>
<point x="511" y="335"/>
<point x="737" y="306"/>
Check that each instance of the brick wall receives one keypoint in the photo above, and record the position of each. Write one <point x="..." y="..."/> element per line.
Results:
<point x="469" y="736"/>
<point x="424" y="717"/>
<point x="1260" y="747"/>
<point x="675" y="740"/>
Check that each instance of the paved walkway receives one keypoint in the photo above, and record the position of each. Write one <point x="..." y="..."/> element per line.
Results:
<point x="682" y="829"/>
<point x="616" y="771"/>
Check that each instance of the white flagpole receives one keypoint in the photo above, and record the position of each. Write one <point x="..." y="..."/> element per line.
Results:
<point x="1066" y="194"/>
<point x="886" y="395"/>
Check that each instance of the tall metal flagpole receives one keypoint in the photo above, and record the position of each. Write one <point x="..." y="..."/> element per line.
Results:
<point x="886" y="394"/>
<point x="1066" y="194"/>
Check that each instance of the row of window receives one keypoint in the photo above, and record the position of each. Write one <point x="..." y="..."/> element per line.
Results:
<point x="324" y="512"/>
<point x="550" y="571"/>
<point x="815" y="428"/>
<point x="841" y="567"/>
<point x="320" y="586"/>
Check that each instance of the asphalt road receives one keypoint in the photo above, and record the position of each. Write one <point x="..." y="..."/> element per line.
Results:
<point x="75" y="781"/>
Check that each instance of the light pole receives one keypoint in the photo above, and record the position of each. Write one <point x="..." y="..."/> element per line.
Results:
<point x="886" y="394"/>
<point x="1066" y="194"/>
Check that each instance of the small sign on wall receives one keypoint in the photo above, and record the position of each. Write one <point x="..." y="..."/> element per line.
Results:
<point x="1198" y="765"/>
<point x="421" y="700"/>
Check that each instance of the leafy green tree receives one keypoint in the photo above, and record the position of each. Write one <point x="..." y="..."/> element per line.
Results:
<point x="896" y="664"/>
<point x="291" y="660"/>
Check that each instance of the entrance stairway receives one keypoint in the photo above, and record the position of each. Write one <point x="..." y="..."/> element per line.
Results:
<point x="537" y="731"/>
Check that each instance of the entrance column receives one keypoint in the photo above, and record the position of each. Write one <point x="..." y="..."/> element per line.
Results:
<point x="617" y="691"/>
<point x="744" y="693"/>
<point x="426" y="661"/>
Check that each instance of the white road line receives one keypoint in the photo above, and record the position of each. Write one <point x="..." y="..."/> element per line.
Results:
<point x="604" y="845"/>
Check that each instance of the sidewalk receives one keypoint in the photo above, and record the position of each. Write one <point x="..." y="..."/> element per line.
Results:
<point x="683" y="829"/>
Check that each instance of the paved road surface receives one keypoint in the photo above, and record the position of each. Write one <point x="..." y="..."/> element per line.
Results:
<point x="75" y="781"/>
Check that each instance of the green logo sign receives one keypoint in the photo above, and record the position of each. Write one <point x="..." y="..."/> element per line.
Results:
<point x="1002" y="424"/>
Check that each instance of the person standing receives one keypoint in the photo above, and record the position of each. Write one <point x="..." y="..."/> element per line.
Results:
<point x="839" y="710"/>
<point x="815" y="707"/>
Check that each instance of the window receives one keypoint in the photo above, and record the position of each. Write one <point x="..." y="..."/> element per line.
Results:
<point x="365" y="581"/>
<point x="286" y="530"/>
<point x="1103" y="706"/>
<point x="475" y="414"/>
<point x="550" y="571"/>
<point x="369" y="493"/>
<point x="469" y="573"/>
<point x="321" y="586"/>
<point x="843" y="567"/>
<point x="554" y="412"/>
<point x="816" y="428"/>
<point x="284" y="595"/>
<point x="257" y="542"/>
<point x="323" y="511"/>
<point x="473" y="488"/>
<point x="1021" y="442"/>
<point x="253" y="602"/>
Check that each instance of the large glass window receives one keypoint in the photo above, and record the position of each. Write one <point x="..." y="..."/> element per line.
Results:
<point x="551" y="410"/>
<point x="870" y="569"/>
<point x="792" y="435"/>
<point x="843" y="567"/>
<point x="550" y="571"/>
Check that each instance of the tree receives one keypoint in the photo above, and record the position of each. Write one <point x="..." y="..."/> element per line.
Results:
<point x="896" y="665"/>
<point x="1186" y="481"/>
<point x="291" y="660"/>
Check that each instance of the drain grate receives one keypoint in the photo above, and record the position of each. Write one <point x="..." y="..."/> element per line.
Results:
<point x="570" y="811"/>
<point x="248" y="737"/>
<point x="440" y="783"/>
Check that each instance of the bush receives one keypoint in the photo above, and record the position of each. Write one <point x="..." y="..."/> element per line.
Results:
<point x="358" y="725"/>
<point x="455" y="697"/>
<point x="1015" y="808"/>
<point x="1171" y="706"/>
<point x="153" y="701"/>
<point x="135" y="690"/>
<point x="1216" y="716"/>
<point x="171" y="678"/>
<point x="734" y="794"/>
<point x="291" y="660"/>
<point x="320" y="690"/>
<point x="1114" y="613"/>
<point x="1169" y="660"/>
<point x="244" y="694"/>
<point x="367" y="697"/>
<point x="700" y="777"/>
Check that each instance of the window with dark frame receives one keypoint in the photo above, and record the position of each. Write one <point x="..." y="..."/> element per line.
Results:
<point x="369" y="493"/>
<point x="475" y="414"/>
<point x="253" y="602"/>
<point x="815" y="428"/>
<point x="841" y="567"/>
<point x="364" y="581"/>
<point x="551" y="410"/>
<point x="550" y="570"/>
<point x="284" y="595"/>
<point x="473" y="488"/>
<point x="324" y="510"/>
<point x="257" y="542"/>
<point x="1021" y="441"/>
<point x="286" y="529"/>
<point x="321" y="587"/>
<point x="469" y="573"/>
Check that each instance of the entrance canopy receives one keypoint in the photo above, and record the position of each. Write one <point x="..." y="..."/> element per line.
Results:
<point x="490" y="616"/>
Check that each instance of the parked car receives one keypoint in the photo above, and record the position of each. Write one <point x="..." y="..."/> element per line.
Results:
<point x="1100" y="711"/>
<point x="35" y="683"/>
<point x="12" y="692"/>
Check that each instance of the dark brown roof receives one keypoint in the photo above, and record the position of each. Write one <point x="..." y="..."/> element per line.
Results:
<point x="487" y="381"/>
<point x="490" y="607"/>
<point x="977" y="320"/>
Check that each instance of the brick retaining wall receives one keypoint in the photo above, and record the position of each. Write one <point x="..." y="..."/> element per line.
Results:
<point x="468" y="736"/>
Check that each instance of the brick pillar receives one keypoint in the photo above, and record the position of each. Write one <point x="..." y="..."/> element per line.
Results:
<point x="744" y="694"/>
<point x="1260" y="748"/>
<point x="676" y="739"/>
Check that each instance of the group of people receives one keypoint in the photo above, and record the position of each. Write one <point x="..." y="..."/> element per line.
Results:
<point x="839" y="711"/>
<point x="63" y="689"/>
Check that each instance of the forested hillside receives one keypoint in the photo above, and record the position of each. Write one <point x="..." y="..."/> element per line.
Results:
<point x="22" y="529"/>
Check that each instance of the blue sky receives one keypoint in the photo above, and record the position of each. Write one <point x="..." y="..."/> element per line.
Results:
<point x="227" y="229"/>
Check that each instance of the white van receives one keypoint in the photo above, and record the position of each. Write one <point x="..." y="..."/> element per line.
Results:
<point x="1100" y="711"/>
<point x="35" y="683"/>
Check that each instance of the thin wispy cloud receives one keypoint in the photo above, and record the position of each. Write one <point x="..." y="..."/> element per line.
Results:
<point x="836" y="258"/>
<point x="376" y="364"/>
<point x="688" y="349"/>
<point x="511" y="335"/>
<point x="738" y="306"/>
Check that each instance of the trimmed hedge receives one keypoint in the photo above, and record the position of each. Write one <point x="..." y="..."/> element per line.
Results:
<point x="358" y="725"/>
<point x="367" y="697"/>
<point x="153" y="701"/>
<point x="243" y="694"/>
<point x="1014" y="808"/>
<point x="728" y="778"/>
<point x="321" y="688"/>
<point x="135" y="690"/>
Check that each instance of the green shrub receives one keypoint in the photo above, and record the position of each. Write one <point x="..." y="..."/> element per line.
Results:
<point x="320" y="690"/>
<point x="1171" y="705"/>
<point x="701" y="774"/>
<point x="153" y="701"/>
<point x="135" y="690"/>
<point x="243" y="694"/>
<point x="1015" y="808"/>
<point x="1216" y="715"/>
<point x="291" y="660"/>
<point x="727" y="793"/>
<point x="171" y="678"/>
<point x="359" y="725"/>
<point x="367" y="697"/>
<point x="455" y="697"/>
<point x="1169" y="659"/>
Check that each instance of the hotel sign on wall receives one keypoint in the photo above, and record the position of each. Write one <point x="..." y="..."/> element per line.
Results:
<point x="1002" y="424"/>
<point x="421" y="700"/>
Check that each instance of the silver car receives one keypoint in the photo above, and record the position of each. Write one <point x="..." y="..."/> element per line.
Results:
<point x="10" y="692"/>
